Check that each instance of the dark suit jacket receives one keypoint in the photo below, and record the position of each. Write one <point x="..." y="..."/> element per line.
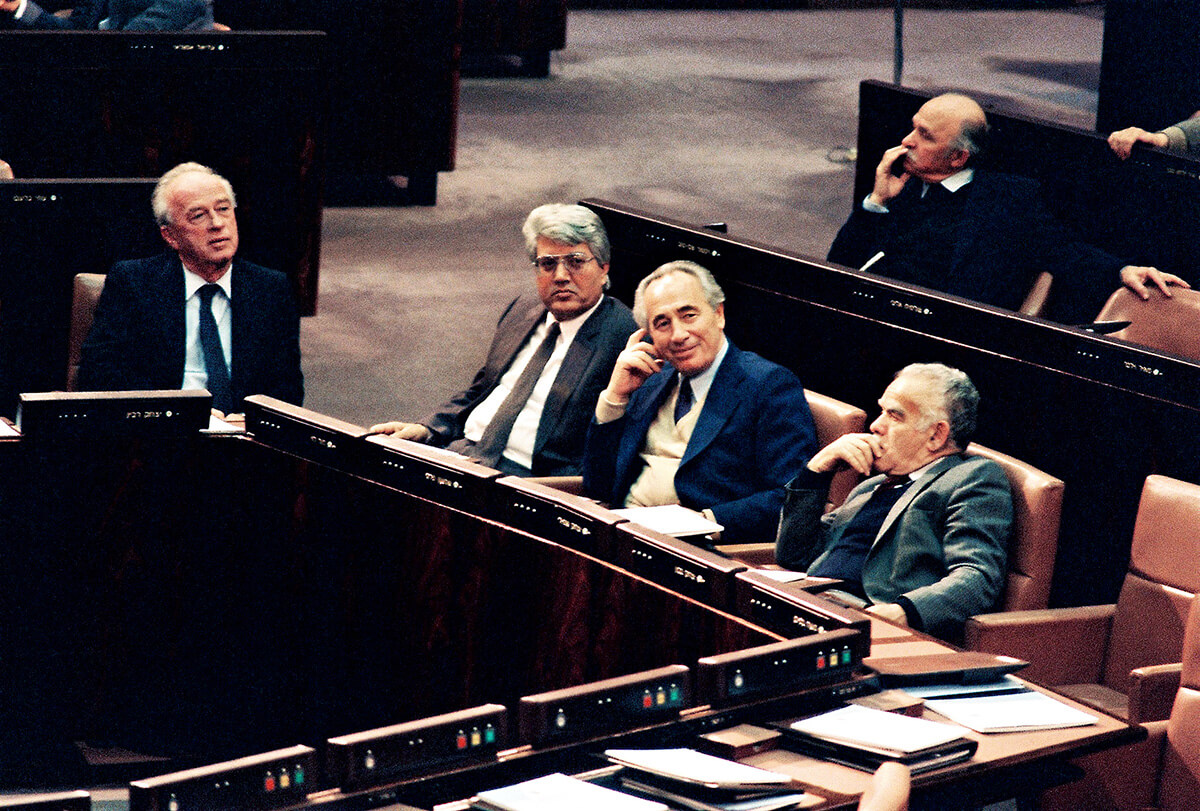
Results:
<point x="126" y="15"/>
<point x="137" y="338"/>
<point x="943" y="545"/>
<point x="1005" y="239"/>
<point x="753" y="434"/>
<point x="558" y="449"/>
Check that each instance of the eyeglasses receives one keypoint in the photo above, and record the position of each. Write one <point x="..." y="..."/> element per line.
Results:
<point x="573" y="262"/>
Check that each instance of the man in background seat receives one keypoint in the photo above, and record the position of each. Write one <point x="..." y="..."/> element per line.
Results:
<point x="942" y="223"/>
<point x="924" y="541"/>
<point x="193" y="318"/>
<point x="690" y="419"/>
<point x="526" y="411"/>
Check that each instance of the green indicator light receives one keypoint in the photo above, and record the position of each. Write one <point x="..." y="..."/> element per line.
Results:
<point x="298" y="776"/>
<point x="489" y="735"/>
<point x="675" y="694"/>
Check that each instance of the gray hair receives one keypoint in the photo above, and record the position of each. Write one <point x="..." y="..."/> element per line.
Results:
<point x="713" y="293"/>
<point x="158" y="200"/>
<point x="959" y="398"/>
<point x="569" y="224"/>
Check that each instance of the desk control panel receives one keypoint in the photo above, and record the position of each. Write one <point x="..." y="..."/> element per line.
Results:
<point x="591" y="710"/>
<point x="262" y="782"/>
<point x="778" y="668"/>
<point x="380" y="756"/>
<point x="680" y="566"/>
<point x="570" y="520"/>
<point x="301" y="432"/>
<point x="787" y="609"/>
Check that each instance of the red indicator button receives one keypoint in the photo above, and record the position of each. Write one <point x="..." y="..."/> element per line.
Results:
<point x="647" y="701"/>
<point x="461" y="741"/>
<point x="269" y="782"/>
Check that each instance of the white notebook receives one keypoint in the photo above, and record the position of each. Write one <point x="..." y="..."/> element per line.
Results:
<point x="558" y="792"/>
<point x="1016" y="712"/>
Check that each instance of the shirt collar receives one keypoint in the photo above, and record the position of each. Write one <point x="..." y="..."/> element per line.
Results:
<point x="568" y="329"/>
<point x="959" y="179"/>
<point x="192" y="282"/>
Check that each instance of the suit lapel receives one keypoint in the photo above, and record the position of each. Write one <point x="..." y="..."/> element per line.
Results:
<point x="579" y="355"/>
<point x="929" y="477"/>
<point x="510" y="343"/>
<point x="722" y="400"/>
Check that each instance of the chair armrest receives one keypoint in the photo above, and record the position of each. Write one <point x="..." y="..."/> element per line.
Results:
<point x="1123" y="777"/>
<point x="1062" y="645"/>
<point x="755" y="555"/>
<point x="1152" y="692"/>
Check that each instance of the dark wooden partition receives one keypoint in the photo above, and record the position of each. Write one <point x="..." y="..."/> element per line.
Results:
<point x="118" y="104"/>
<point x="212" y="597"/>
<point x="1098" y="413"/>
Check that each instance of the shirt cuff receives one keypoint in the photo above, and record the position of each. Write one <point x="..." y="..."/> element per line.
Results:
<point x="910" y="613"/>
<point x="1177" y="140"/>
<point x="873" y="207"/>
<point x="20" y="12"/>
<point x="607" y="410"/>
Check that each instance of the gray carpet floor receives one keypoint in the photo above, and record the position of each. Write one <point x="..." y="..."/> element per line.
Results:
<point x="746" y="117"/>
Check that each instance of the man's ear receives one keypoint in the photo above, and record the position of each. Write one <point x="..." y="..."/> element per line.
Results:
<point x="959" y="159"/>
<point x="940" y="437"/>
<point x="168" y="237"/>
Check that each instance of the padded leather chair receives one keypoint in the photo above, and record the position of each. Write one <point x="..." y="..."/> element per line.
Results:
<point x="84" y="297"/>
<point x="1167" y="324"/>
<point x="1037" y="512"/>
<point x="1114" y="657"/>
<point x="1161" y="772"/>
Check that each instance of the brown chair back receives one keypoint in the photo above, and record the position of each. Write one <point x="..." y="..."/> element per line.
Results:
<point x="833" y="418"/>
<point x="1179" y="785"/>
<point x="1163" y="575"/>
<point x="84" y="297"/>
<point x="1167" y="324"/>
<point x="1037" y="510"/>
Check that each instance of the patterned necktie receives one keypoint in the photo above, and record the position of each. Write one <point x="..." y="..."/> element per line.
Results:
<point x="214" y="356"/>
<point x="491" y="445"/>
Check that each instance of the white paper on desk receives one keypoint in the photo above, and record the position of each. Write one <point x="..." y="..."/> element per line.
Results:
<point x="671" y="519"/>
<point x="216" y="425"/>
<point x="878" y="729"/>
<point x="556" y="792"/>
<point x="690" y="766"/>
<point x="1015" y="712"/>
<point x="8" y="430"/>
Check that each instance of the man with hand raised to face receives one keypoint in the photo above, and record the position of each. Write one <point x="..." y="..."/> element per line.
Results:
<point x="194" y="318"/>
<point x="923" y="541"/>
<point x="688" y="418"/>
<point x="942" y="222"/>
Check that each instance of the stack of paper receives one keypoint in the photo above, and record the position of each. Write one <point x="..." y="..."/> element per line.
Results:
<point x="556" y="792"/>
<point x="703" y="782"/>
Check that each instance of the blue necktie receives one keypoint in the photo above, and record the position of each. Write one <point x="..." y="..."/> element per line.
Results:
<point x="685" y="400"/>
<point x="214" y="356"/>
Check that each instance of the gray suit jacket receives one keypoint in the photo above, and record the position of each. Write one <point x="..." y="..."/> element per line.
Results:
<point x="1184" y="136"/>
<point x="943" y="545"/>
<point x="558" y="449"/>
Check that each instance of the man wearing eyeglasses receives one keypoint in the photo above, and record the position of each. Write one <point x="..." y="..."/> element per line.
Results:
<point x="526" y="412"/>
<point x="193" y="317"/>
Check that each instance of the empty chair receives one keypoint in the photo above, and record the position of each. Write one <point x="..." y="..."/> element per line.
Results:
<point x="84" y="297"/>
<point x="1166" y="324"/>
<point x="1106" y="655"/>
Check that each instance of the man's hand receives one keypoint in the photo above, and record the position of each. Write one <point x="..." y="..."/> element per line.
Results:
<point x="858" y="451"/>
<point x="1122" y="141"/>
<point x="403" y="430"/>
<point x="1136" y="278"/>
<point x="10" y="5"/>
<point x="888" y="185"/>
<point x="889" y="788"/>
<point x="637" y="362"/>
<point x="892" y="612"/>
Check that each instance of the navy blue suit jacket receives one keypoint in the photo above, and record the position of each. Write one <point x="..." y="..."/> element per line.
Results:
<point x="753" y="435"/>
<point x="125" y="15"/>
<point x="558" y="449"/>
<point x="137" y="338"/>
<point x="1005" y="238"/>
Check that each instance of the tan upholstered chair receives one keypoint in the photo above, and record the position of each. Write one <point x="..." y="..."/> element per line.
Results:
<point x="1167" y="324"/>
<point x="84" y="297"/>
<point x="1109" y="655"/>
<point x="831" y="418"/>
<point x="1161" y="772"/>
<point x="1037" y="511"/>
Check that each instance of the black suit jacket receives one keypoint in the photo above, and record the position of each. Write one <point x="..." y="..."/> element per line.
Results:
<point x="558" y="450"/>
<point x="126" y="15"/>
<point x="1006" y="236"/>
<point x="137" y="338"/>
